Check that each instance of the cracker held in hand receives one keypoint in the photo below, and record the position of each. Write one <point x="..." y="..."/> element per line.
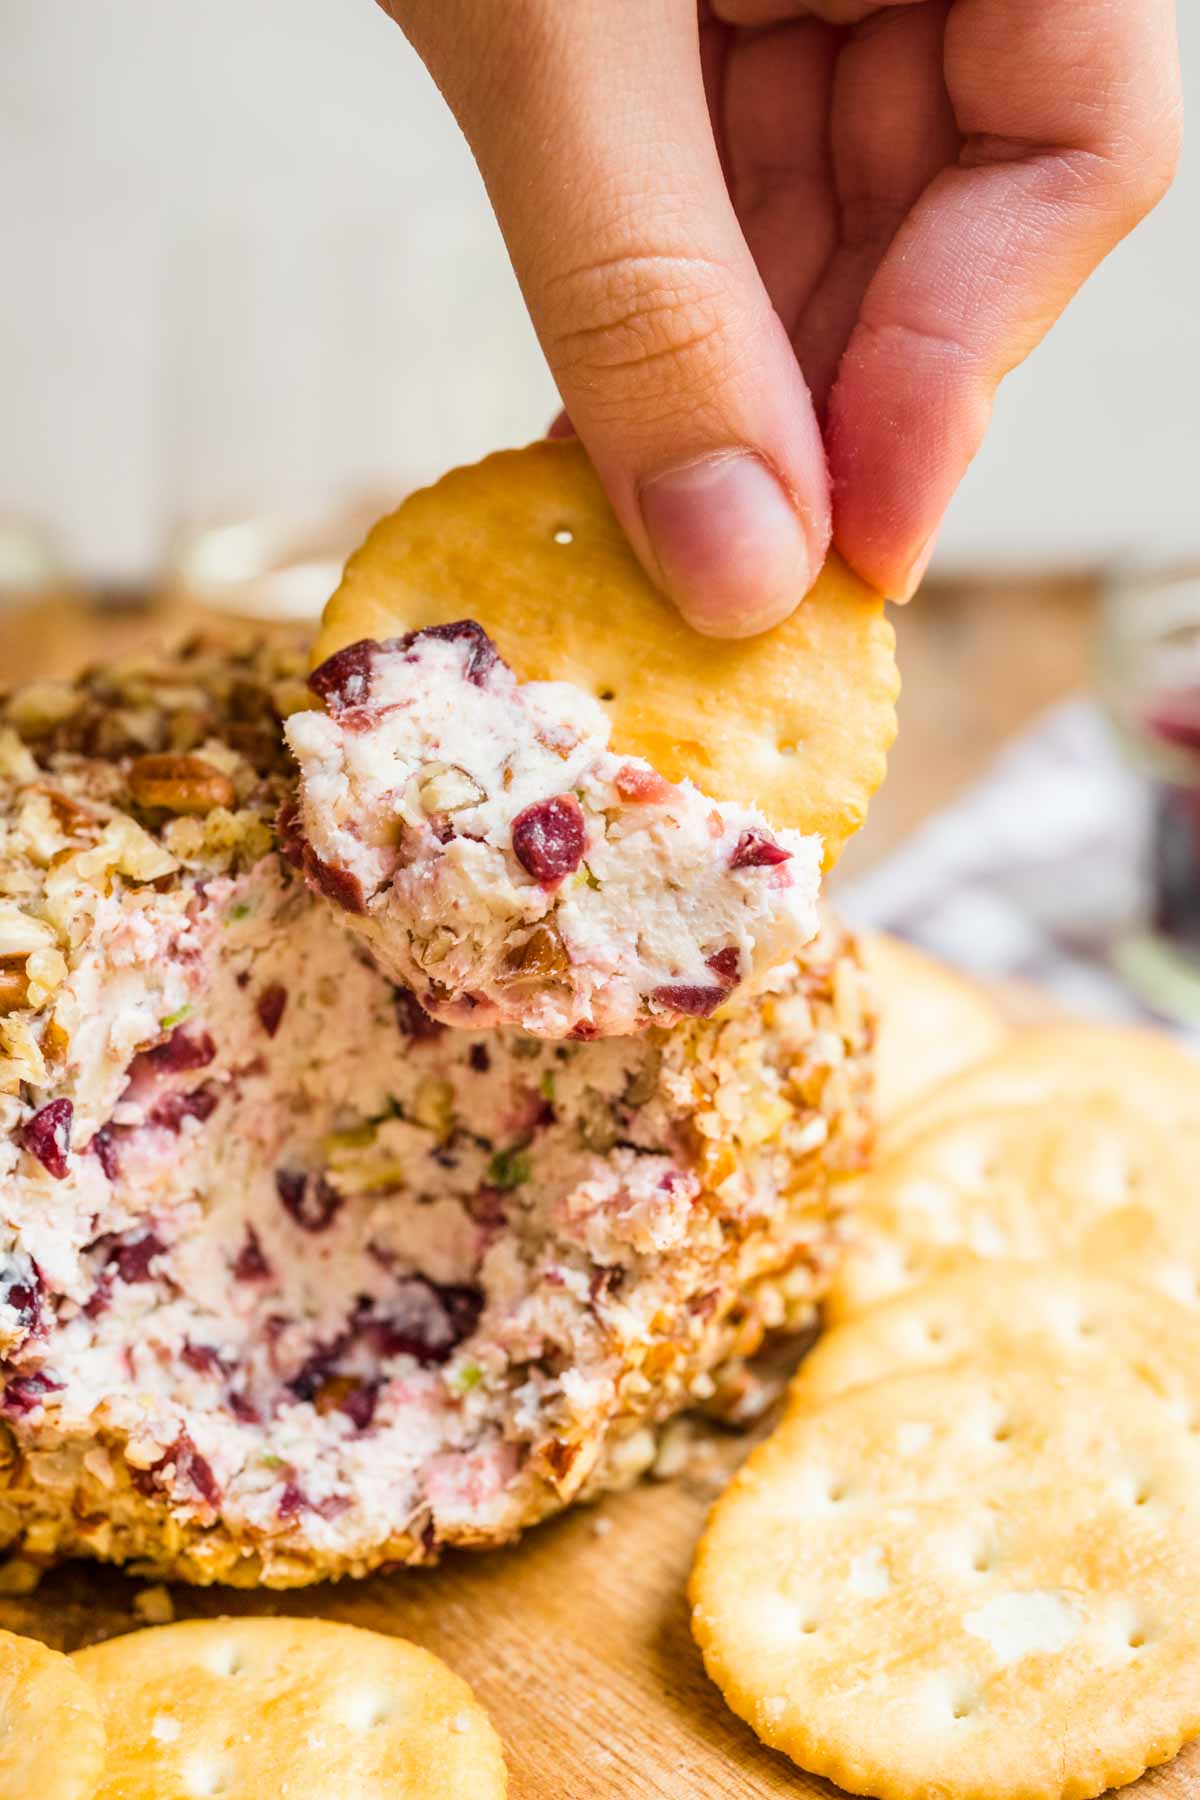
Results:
<point x="798" y="721"/>
<point x="981" y="1582"/>
<point x="251" y="1708"/>
<point x="932" y="1022"/>
<point x="1003" y="1311"/>
<point x="1026" y="1180"/>
<point x="51" y="1730"/>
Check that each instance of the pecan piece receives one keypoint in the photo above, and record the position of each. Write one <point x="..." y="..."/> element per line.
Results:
<point x="539" y="956"/>
<point x="179" y="784"/>
<point x="13" y="984"/>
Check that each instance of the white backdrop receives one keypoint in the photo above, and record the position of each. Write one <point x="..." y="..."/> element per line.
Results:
<point x="246" y="257"/>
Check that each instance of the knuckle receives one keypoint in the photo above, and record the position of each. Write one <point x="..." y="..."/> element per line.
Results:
<point x="643" y="322"/>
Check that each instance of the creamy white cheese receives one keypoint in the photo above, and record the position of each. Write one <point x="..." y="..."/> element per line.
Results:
<point x="508" y="866"/>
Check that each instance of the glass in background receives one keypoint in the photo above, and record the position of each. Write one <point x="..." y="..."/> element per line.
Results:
<point x="1150" y="673"/>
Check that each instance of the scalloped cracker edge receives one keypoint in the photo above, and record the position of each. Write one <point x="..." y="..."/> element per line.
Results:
<point x="798" y="721"/>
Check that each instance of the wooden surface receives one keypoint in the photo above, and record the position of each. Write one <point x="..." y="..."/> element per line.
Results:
<point x="577" y="1640"/>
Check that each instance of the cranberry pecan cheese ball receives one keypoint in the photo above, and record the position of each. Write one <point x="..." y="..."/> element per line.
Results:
<point x="295" y="1281"/>
<point x="499" y="859"/>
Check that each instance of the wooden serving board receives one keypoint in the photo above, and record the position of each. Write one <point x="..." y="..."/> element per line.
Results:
<point x="576" y="1640"/>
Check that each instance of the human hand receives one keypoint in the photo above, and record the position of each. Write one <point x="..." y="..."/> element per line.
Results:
<point x="780" y="259"/>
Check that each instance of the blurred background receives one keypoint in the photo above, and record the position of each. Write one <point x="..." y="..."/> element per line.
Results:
<point x="253" y="291"/>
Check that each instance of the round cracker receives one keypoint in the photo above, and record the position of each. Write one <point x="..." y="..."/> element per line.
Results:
<point x="980" y="1581"/>
<point x="1025" y="1181"/>
<point x="303" y="1707"/>
<point x="1068" y="1313"/>
<point x="798" y="721"/>
<point x="932" y="1022"/>
<point x="1156" y="1248"/>
<point x="1143" y="1072"/>
<point x="51" y="1729"/>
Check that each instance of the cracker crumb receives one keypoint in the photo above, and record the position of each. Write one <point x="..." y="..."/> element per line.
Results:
<point x="154" y="1605"/>
<point x="19" y="1576"/>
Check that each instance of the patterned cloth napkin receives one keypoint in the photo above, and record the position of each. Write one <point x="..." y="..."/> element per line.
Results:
<point x="1039" y="871"/>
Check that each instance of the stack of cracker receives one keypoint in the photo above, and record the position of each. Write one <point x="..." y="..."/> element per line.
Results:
<point x="967" y="1563"/>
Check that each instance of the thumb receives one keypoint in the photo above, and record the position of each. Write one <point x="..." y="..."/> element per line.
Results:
<point x="590" y="126"/>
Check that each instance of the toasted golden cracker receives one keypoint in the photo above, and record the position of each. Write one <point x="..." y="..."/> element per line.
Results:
<point x="981" y="1582"/>
<point x="1025" y="1181"/>
<point x="1156" y="1247"/>
<point x="1145" y="1073"/>
<point x="1003" y="1311"/>
<point x="932" y="1022"/>
<point x="51" y="1729"/>
<point x="798" y="721"/>
<point x="247" y="1708"/>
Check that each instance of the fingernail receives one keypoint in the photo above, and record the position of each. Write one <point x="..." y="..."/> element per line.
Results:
<point x="729" y="543"/>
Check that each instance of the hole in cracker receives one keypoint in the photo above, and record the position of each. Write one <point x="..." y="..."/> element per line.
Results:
<point x="605" y="693"/>
<point x="208" y="1779"/>
<point x="1136" y="1639"/>
<point x="1141" y="1493"/>
<point x="1002" y="1431"/>
<point x="227" y="1659"/>
<point x="564" y="535"/>
<point x="368" y="1709"/>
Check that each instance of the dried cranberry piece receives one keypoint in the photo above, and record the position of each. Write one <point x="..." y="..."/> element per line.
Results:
<point x="483" y="655"/>
<point x="202" y="1357"/>
<point x="412" y="1018"/>
<point x="48" y="1137"/>
<point x="338" y="885"/>
<point x="22" y="1291"/>
<point x="755" y="850"/>
<point x="250" y="1264"/>
<point x="104" y="1148"/>
<point x="696" y="1002"/>
<point x="293" y="1500"/>
<point x="431" y="1322"/>
<point x="333" y="1506"/>
<point x="486" y="1207"/>
<point x="462" y="1305"/>
<point x="360" y="1403"/>
<point x="289" y="833"/>
<point x="187" y="1467"/>
<point x="645" y="785"/>
<point x="100" y="1298"/>
<point x="26" y="1393"/>
<point x="584" y="1032"/>
<point x="201" y="1103"/>
<point x="550" y="837"/>
<point x="241" y="1408"/>
<point x="312" y="1205"/>
<point x="270" y="1007"/>
<point x="182" y="1050"/>
<point x="131" y="1257"/>
<point x="726" y="965"/>
<point x="315" y="1371"/>
<point x="343" y="680"/>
